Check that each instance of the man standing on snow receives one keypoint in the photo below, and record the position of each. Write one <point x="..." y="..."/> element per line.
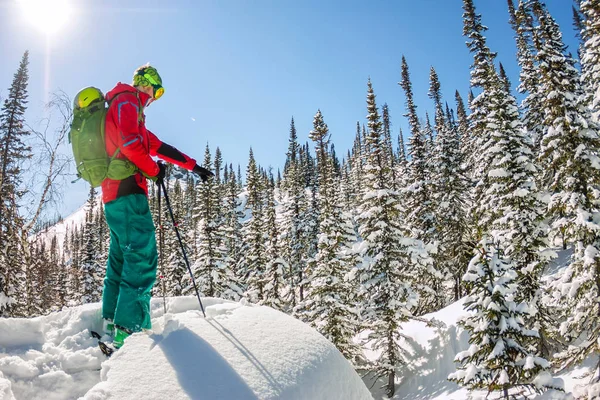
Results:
<point x="132" y="258"/>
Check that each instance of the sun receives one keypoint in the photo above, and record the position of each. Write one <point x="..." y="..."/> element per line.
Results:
<point x="49" y="16"/>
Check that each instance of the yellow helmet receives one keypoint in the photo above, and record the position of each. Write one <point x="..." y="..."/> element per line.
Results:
<point x="87" y="96"/>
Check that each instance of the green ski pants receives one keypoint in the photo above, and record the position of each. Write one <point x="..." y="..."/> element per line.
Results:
<point x="132" y="263"/>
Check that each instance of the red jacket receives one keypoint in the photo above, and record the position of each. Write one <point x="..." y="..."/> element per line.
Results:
<point x="126" y="131"/>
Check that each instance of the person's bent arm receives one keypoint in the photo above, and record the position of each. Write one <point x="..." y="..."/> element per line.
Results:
<point x="169" y="153"/>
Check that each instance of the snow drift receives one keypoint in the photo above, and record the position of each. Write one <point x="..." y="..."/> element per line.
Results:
<point x="239" y="351"/>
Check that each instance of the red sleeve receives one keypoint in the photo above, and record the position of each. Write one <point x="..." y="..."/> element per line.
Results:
<point x="169" y="153"/>
<point x="129" y="139"/>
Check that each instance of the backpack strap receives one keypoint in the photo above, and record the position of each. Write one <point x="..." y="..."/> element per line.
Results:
<point x="140" y="115"/>
<point x="140" y="119"/>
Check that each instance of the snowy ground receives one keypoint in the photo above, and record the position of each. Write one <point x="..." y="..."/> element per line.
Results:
<point x="434" y="348"/>
<point x="238" y="352"/>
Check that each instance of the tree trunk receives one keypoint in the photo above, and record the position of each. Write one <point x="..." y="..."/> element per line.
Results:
<point x="391" y="387"/>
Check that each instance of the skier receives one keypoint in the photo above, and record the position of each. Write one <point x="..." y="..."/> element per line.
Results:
<point x="132" y="258"/>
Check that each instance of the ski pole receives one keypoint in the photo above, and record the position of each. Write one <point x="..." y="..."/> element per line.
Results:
<point x="160" y="247"/>
<point x="187" y="263"/>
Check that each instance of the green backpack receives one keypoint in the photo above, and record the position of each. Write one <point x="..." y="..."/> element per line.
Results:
<point x="87" y="140"/>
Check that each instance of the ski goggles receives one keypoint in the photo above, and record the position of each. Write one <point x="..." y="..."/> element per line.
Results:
<point x="158" y="89"/>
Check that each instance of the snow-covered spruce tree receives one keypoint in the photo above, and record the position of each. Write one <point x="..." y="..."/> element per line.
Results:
<point x="34" y="270"/>
<point x="59" y="274"/>
<point x="428" y="134"/>
<point x="390" y="158"/>
<point x="590" y="55"/>
<point x="401" y="164"/>
<point x="62" y="277"/>
<point x="310" y="218"/>
<point x="450" y="196"/>
<point x="13" y="151"/>
<point x="513" y="205"/>
<point x="232" y="234"/>
<point x="92" y="272"/>
<point x="484" y="77"/>
<point x="497" y="359"/>
<point x="355" y="163"/>
<point x="401" y="154"/>
<point x="74" y="287"/>
<point x="172" y="267"/>
<point x="463" y="131"/>
<point x="346" y="188"/>
<point x="483" y="63"/>
<point x="274" y="285"/>
<point x="209" y="270"/>
<point x="253" y="260"/>
<point x="43" y="297"/>
<point x="504" y="80"/>
<point x="188" y="214"/>
<point x="569" y="161"/>
<point x="294" y="204"/>
<point x="328" y="306"/>
<point x="103" y="232"/>
<point x="418" y="212"/>
<point x="521" y="21"/>
<point x="391" y="260"/>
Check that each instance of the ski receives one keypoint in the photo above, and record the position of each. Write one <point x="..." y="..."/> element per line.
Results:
<point x="104" y="348"/>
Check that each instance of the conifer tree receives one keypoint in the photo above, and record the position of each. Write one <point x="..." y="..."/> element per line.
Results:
<point x="513" y="204"/>
<point x="450" y="190"/>
<point x="74" y="288"/>
<point x="232" y="234"/>
<point x="393" y="259"/>
<point x="33" y="306"/>
<point x="218" y="166"/>
<point x="401" y="148"/>
<point x="590" y="55"/>
<point x="483" y="65"/>
<point x="497" y="359"/>
<point x="209" y="270"/>
<point x="294" y="203"/>
<point x="328" y="306"/>
<point x="41" y="286"/>
<point x="570" y="148"/>
<point x="13" y="151"/>
<point x="578" y="23"/>
<point x="462" y="127"/>
<point x="92" y="271"/>
<point x="62" y="291"/>
<point x="483" y="77"/>
<point x="420" y="213"/>
<point x="521" y="21"/>
<point x="390" y="159"/>
<point x="176" y="280"/>
<point x="355" y="164"/>
<point x="274" y="285"/>
<point x="336" y="162"/>
<point x="253" y="254"/>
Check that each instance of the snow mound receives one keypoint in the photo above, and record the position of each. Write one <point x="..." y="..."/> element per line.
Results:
<point x="238" y="351"/>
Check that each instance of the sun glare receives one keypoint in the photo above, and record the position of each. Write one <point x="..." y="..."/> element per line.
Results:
<point x="46" y="15"/>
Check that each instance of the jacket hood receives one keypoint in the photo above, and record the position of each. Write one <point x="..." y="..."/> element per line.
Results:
<point x="123" y="88"/>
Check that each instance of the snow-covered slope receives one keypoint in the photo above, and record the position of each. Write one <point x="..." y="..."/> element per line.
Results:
<point x="238" y="352"/>
<point x="434" y="348"/>
<point x="59" y="229"/>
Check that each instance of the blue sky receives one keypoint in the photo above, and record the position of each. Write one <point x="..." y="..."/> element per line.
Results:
<point x="236" y="71"/>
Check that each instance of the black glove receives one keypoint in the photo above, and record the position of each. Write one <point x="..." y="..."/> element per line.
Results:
<point x="160" y="177"/>
<point x="203" y="173"/>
